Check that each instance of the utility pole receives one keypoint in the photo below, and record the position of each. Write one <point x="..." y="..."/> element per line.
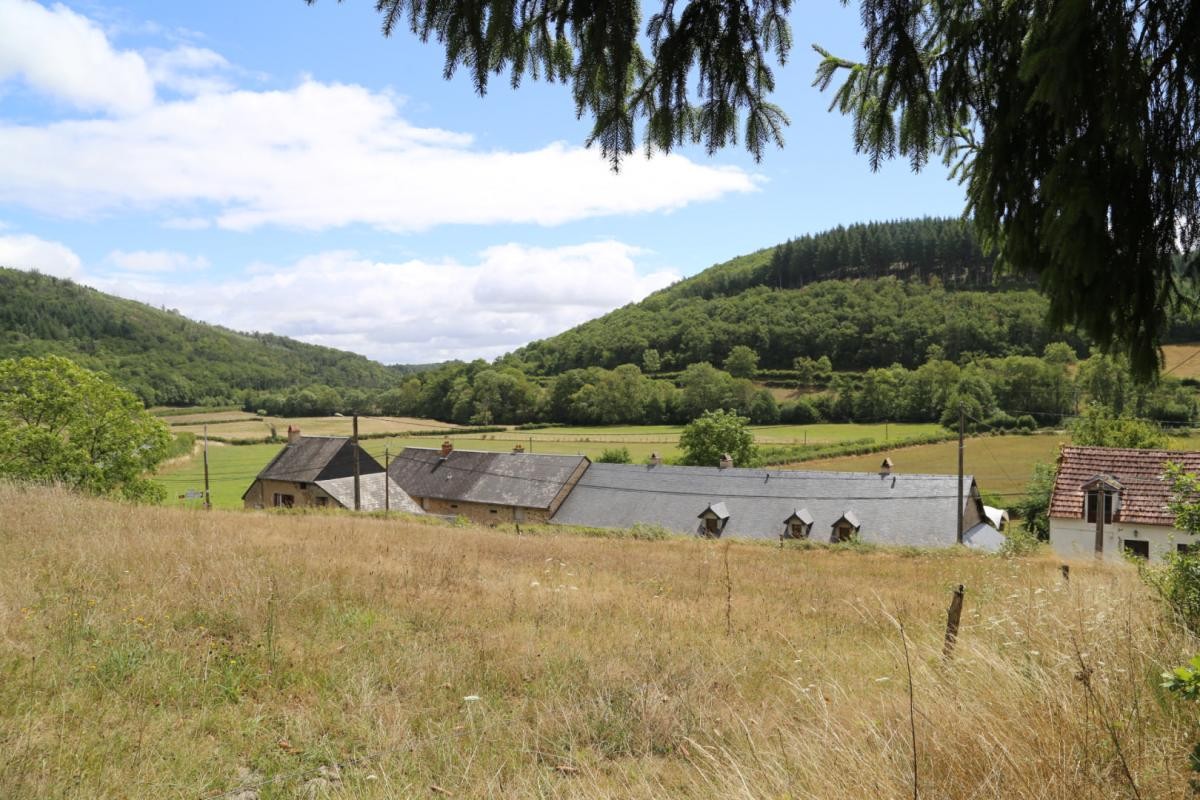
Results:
<point x="387" y="500"/>
<point x="962" y="424"/>
<point x="1100" y="503"/>
<point x="357" y="496"/>
<point x="207" y="497"/>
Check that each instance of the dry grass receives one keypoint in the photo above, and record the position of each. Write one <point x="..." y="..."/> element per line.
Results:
<point x="1181" y="360"/>
<point x="243" y="426"/>
<point x="164" y="653"/>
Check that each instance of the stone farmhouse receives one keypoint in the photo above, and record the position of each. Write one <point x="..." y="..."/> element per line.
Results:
<point x="1129" y="485"/>
<point x="488" y="488"/>
<point x="884" y="508"/>
<point x="318" y="472"/>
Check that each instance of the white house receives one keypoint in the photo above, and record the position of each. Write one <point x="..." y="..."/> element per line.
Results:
<point x="1137" y="519"/>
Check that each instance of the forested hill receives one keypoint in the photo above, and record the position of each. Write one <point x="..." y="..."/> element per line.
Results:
<point x="867" y="295"/>
<point x="162" y="356"/>
<point x="922" y="249"/>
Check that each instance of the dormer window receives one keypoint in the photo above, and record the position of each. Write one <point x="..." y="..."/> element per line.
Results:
<point x="846" y="527"/>
<point x="713" y="520"/>
<point x="798" y="525"/>
<point x="1110" y="489"/>
<point x="1093" y="501"/>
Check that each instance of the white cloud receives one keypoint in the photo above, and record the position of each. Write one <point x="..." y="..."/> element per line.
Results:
<point x="156" y="261"/>
<point x="190" y="70"/>
<point x="326" y="155"/>
<point x="32" y="253"/>
<point x="187" y="223"/>
<point x="68" y="57"/>
<point x="416" y="311"/>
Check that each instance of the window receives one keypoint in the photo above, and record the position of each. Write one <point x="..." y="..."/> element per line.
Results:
<point x="322" y="501"/>
<point x="303" y="486"/>
<point x="712" y="525"/>
<point x="493" y="511"/>
<point x="1109" y="499"/>
<point x="454" y="505"/>
<point x="1138" y="548"/>
<point x="1187" y="549"/>
<point x="799" y="530"/>
<point x="284" y="500"/>
<point x="844" y="532"/>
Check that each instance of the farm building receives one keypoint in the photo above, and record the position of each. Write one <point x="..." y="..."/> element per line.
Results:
<point x="318" y="471"/>
<point x="884" y="508"/>
<point x="1129" y="485"/>
<point x="487" y="487"/>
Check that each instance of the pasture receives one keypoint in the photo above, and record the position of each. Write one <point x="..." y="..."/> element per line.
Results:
<point x="1182" y="360"/>
<point x="244" y="426"/>
<point x="158" y="652"/>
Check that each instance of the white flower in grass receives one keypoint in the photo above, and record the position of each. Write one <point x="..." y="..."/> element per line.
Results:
<point x="471" y="698"/>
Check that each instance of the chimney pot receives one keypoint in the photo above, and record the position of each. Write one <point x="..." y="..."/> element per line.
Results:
<point x="293" y="433"/>
<point x="726" y="461"/>
<point x="655" y="459"/>
<point x="520" y="448"/>
<point x="885" y="468"/>
<point x="447" y="448"/>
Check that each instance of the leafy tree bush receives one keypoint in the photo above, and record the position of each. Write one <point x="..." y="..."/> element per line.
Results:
<point x="614" y="455"/>
<point x="1034" y="508"/>
<point x="1098" y="426"/>
<point x="741" y="362"/>
<point x="716" y="433"/>
<point x="62" y="423"/>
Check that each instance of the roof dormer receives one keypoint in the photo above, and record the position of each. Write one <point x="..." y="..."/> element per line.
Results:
<point x="713" y="520"/>
<point x="798" y="525"/>
<point x="846" y="527"/>
<point x="1110" y="488"/>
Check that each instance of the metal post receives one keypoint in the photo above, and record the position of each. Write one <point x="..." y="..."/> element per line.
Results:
<point x="387" y="500"/>
<point x="357" y="496"/>
<point x="1100" y="498"/>
<point x="207" y="496"/>
<point x="962" y="424"/>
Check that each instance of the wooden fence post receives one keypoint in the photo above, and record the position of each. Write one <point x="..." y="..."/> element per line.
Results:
<point x="1066" y="572"/>
<point x="953" y="615"/>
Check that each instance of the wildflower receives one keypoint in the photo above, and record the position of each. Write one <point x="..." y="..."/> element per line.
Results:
<point x="471" y="698"/>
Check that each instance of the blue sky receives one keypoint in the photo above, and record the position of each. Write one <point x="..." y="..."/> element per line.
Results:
<point x="277" y="166"/>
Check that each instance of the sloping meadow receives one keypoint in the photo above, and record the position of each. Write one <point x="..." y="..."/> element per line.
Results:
<point x="151" y="652"/>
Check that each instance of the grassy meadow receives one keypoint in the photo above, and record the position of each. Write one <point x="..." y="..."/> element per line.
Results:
<point x="243" y="426"/>
<point x="159" y="652"/>
<point x="1181" y="360"/>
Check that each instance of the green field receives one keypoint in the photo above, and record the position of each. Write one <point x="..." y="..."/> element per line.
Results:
<point x="233" y="467"/>
<point x="1002" y="465"/>
<point x="242" y="426"/>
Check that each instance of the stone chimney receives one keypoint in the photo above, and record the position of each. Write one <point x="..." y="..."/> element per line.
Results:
<point x="655" y="459"/>
<point x="293" y="433"/>
<point x="726" y="461"/>
<point x="447" y="448"/>
<point x="518" y="448"/>
<point x="885" y="468"/>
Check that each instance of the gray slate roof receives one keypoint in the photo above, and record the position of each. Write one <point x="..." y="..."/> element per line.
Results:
<point x="370" y="494"/>
<point x="527" y="480"/>
<point x="898" y="509"/>
<point x="315" y="458"/>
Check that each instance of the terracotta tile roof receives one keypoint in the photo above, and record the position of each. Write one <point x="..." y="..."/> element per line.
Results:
<point x="1144" y="493"/>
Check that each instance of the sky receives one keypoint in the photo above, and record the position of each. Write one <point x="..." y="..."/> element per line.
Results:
<point x="276" y="166"/>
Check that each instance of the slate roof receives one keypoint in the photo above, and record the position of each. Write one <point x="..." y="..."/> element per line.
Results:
<point x="309" y="459"/>
<point x="370" y="494"/>
<point x="896" y="509"/>
<point x="1144" y="493"/>
<point x="526" y="480"/>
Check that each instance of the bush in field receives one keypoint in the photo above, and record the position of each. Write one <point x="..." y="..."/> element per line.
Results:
<point x="716" y="433"/>
<point x="614" y="455"/>
<point x="1035" y="506"/>
<point x="648" y="532"/>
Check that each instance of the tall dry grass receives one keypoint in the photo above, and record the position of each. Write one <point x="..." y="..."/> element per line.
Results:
<point x="148" y="652"/>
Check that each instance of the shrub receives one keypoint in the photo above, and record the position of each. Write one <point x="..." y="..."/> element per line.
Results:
<point x="1177" y="582"/>
<point x="1026" y="422"/>
<point x="799" y="412"/>
<point x="614" y="455"/>
<point x="647" y="532"/>
<point x="1019" y="541"/>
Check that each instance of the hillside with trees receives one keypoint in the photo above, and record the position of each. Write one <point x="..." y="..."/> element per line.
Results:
<point x="160" y="355"/>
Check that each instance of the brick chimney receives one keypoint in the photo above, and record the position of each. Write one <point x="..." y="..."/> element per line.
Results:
<point x="447" y="448"/>
<point x="885" y="468"/>
<point x="655" y="459"/>
<point x="293" y="433"/>
<point x="726" y="461"/>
